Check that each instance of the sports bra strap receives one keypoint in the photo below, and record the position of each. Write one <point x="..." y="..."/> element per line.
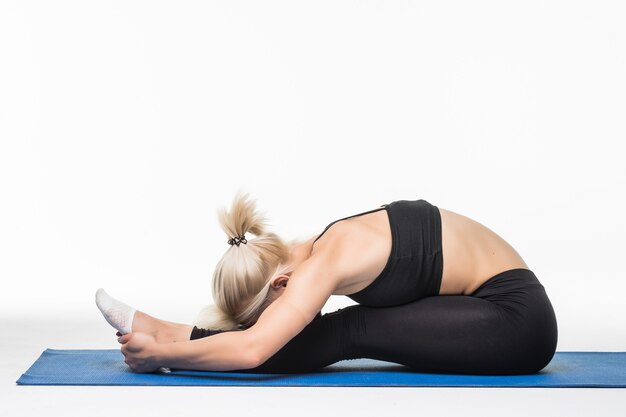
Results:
<point x="349" y="217"/>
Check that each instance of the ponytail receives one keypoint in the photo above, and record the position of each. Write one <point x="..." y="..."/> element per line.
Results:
<point x="242" y="277"/>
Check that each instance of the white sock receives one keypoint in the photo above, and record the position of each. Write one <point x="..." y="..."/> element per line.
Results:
<point x="118" y="314"/>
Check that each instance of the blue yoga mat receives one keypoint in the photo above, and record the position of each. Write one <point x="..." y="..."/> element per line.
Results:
<point x="107" y="367"/>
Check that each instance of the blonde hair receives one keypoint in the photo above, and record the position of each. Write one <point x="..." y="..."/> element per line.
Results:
<point x="242" y="277"/>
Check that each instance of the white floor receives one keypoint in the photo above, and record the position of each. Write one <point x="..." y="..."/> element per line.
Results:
<point x="23" y="341"/>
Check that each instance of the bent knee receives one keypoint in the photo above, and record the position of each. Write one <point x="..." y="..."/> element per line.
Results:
<point x="534" y="352"/>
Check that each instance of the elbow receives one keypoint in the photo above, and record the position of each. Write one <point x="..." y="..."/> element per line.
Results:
<point x="256" y="353"/>
<point x="256" y="358"/>
<point x="252" y="354"/>
<point x="253" y="361"/>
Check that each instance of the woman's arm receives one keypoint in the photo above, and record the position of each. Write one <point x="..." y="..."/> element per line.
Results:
<point x="221" y="352"/>
<point x="329" y="338"/>
<point x="310" y="286"/>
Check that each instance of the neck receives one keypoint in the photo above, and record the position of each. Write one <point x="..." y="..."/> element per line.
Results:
<point x="299" y="252"/>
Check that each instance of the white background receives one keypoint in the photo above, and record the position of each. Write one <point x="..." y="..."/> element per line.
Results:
<point x="124" y="125"/>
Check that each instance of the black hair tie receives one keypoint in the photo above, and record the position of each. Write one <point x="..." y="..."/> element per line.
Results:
<point x="237" y="240"/>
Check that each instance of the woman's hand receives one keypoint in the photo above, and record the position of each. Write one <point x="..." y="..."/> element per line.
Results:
<point x="141" y="352"/>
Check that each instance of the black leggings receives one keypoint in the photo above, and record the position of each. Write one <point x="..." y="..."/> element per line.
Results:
<point x="507" y="326"/>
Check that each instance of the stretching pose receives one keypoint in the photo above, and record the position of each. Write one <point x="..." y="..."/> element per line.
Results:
<point x="436" y="291"/>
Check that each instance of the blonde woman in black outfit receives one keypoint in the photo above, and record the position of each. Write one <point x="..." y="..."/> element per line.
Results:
<point x="437" y="292"/>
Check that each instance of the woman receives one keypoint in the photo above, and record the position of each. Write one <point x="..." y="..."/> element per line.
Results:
<point x="437" y="292"/>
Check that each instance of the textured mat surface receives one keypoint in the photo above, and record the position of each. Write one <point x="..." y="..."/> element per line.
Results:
<point x="107" y="367"/>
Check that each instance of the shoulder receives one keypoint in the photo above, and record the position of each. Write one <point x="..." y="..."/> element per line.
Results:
<point x="337" y="254"/>
<point x="326" y="259"/>
<point x="356" y="251"/>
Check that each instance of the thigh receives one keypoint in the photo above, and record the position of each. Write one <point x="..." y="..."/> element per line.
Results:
<point x="446" y="333"/>
<point x="508" y="326"/>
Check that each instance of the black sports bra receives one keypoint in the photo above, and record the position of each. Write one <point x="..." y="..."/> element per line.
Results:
<point x="415" y="264"/>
